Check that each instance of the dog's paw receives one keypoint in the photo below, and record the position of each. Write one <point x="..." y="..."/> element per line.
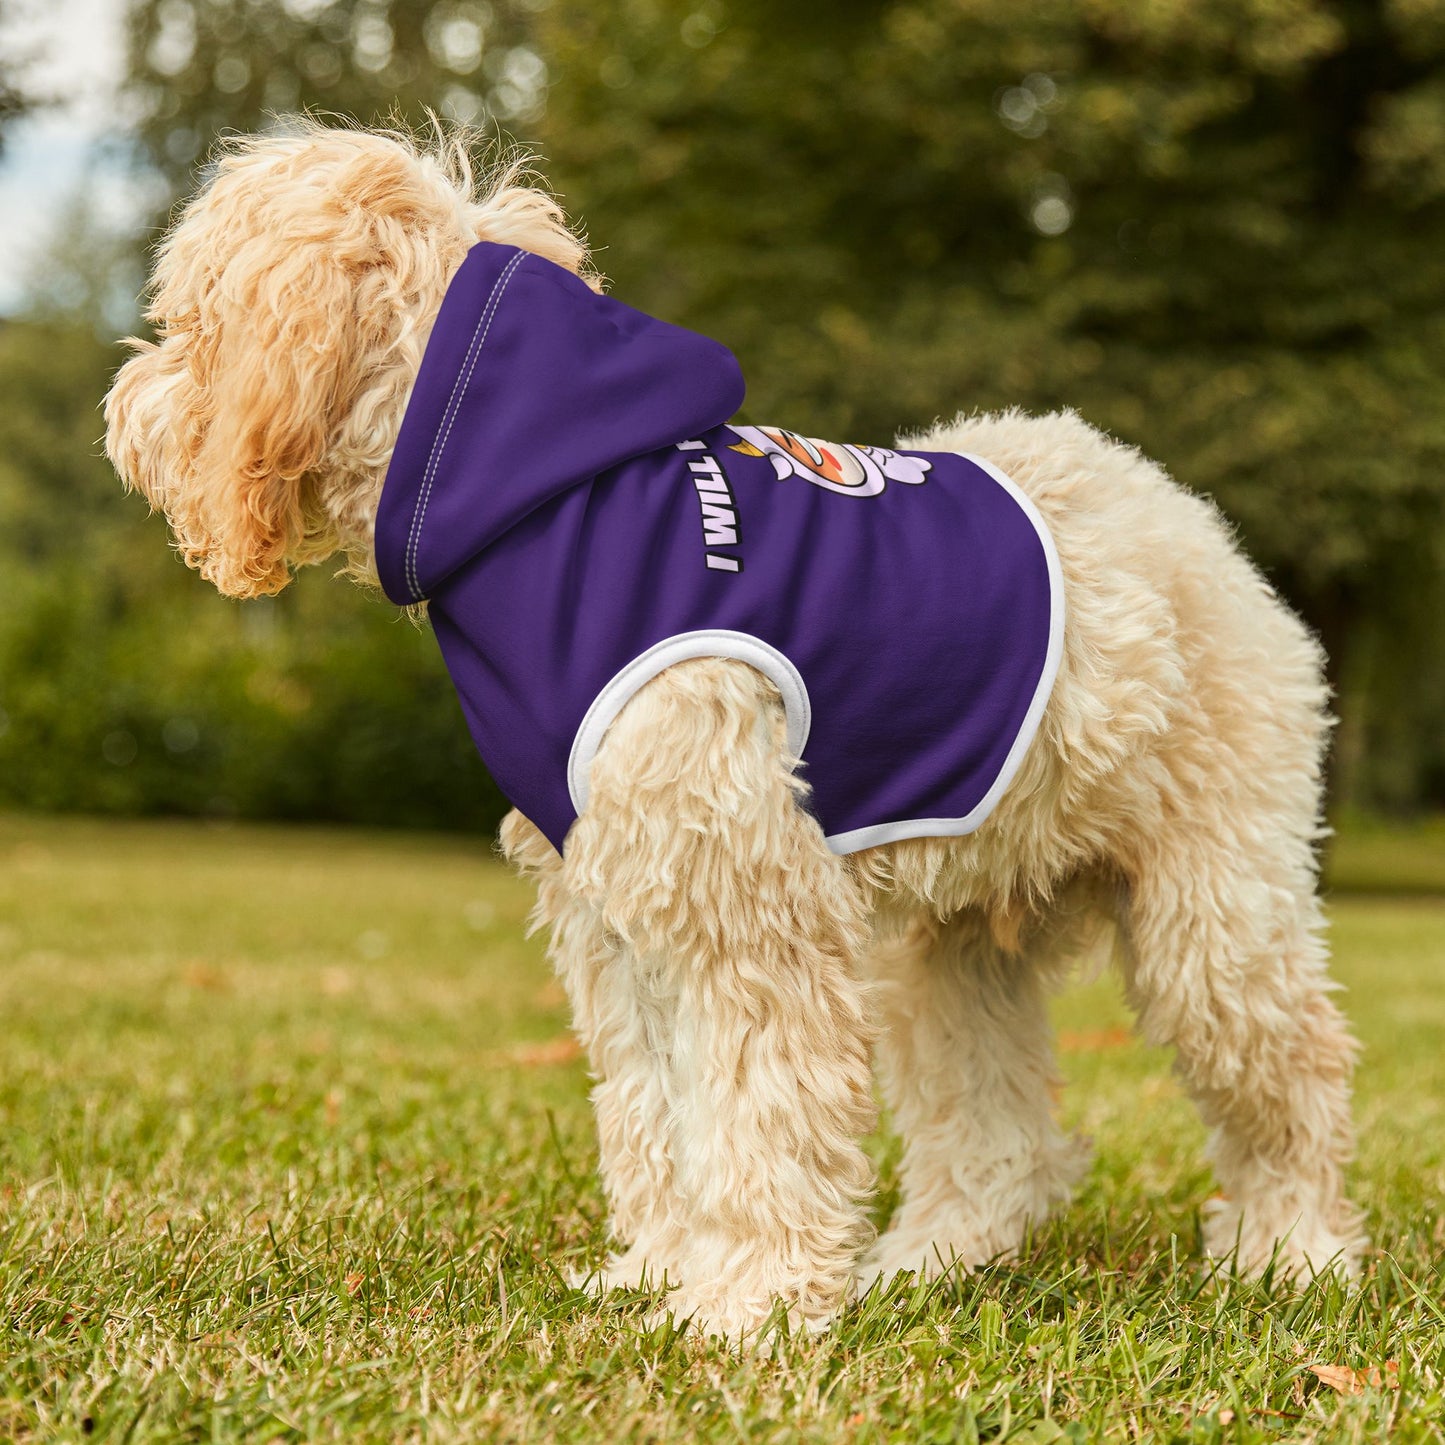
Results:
<point x="753" y="1324"/>
<point x="966" y="1228"/>
<point x="632" y="1270"/>
<point x="1298" y="1245"/>
<point x="897" y="1253"/>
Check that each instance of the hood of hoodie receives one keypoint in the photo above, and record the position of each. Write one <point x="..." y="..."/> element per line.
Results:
<point x="531" y="384"/>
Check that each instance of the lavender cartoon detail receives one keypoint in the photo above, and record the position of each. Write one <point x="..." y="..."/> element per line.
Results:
<point x="853" y="471"/>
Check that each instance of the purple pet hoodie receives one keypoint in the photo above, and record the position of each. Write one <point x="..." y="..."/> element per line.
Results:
<point x="569" y="496"/>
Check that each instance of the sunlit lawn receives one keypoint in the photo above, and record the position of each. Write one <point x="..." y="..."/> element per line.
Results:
<point x="292" y="1146"/>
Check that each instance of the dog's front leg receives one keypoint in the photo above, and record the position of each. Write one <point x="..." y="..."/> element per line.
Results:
<point x="624" y="1023"/>
<point x="741" y="930"/>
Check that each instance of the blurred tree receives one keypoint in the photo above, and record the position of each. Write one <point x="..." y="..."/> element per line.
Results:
<point x="127" y="685"/>
<point x="58" y="495"/>
<point x="201" y="67"/>
<point x="15" y="96"/>
<point x="1216" y="229"/>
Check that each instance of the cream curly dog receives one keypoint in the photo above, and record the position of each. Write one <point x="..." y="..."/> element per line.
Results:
<point x="731" y="975"/>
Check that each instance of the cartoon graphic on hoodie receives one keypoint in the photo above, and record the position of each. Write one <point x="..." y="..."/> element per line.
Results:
<point x="852" y="471"/>
<point x="570" y="498"/>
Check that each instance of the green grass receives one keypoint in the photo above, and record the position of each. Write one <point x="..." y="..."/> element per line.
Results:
<point x="284" y="1155"/>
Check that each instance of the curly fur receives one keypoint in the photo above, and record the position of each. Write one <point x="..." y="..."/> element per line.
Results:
<point x="292" y="301"/>
<point x="729" y="976"/>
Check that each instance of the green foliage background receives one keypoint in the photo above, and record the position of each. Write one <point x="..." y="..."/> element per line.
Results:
<point x="1215" y="228"/>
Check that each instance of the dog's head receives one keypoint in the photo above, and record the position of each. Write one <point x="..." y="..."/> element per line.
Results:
<point x="292" y="300"/>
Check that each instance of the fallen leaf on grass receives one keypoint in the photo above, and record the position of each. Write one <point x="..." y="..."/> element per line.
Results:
<point x="204" y="976"/>
<point x="335" y="982"/>
<point x="354" y="1283"/>
<point x="1346" y="1381"/>
<point x="1093" y="1042"/>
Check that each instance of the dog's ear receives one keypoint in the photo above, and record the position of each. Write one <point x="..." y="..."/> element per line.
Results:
<point x="246" y="386"/>
<point x="287" y="301"/>
<point x="144" y="415"/>
<point x="277" y="352"/>
<point x="292" y="301"/>
<point x="222" y="421"/>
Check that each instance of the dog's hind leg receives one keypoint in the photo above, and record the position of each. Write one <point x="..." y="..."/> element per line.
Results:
<point x="1225" y="960"/>
<point x="1224" y="948"/>
<point x="742" y="930"/>
<point x="966" y="1060"/>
